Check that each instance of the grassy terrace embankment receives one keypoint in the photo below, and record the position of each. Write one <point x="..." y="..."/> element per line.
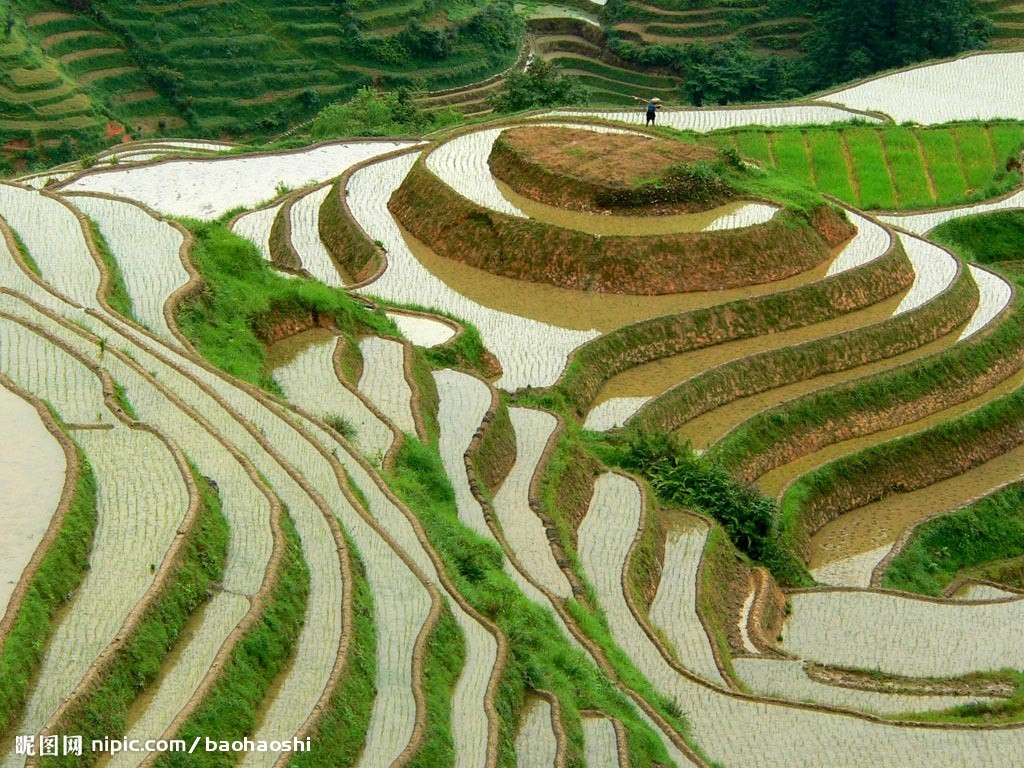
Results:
<point x="1008" y="19"/>
<point x="972" y="542"/>
<point x="595" y="362"/>
<point x="912" y="462"/>
<point x="100" y="711"/>
<point x="580" y="48"/>
<point x="905" y="394"/>
<point x="987" y="239"/>
<point x="891" y="167"/>
<point x="797" y="238"/>
<point x="167" y="64"/>
<point x="846" y="351"/>
<point x="343" y="239"/>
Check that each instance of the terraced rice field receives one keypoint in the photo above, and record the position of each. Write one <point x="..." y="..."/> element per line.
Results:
<point x="432" y="552"/>
<point x="890" y="167"/>
<point x="752" y="20"/>
<point x="34" y="467"/>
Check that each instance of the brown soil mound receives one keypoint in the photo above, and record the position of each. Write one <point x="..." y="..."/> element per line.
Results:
<point x="526" y="249"/>
<point x="585" y="170"/>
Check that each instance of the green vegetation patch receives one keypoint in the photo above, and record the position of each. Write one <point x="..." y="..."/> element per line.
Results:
<point x="831" y="170"/>
<point x="892" y="167"/>
<point x="940" y="550"/>
<point x="975" y="153"/>
<point x="242" y="300"/>
<point x="372" y="113"/>
<point x="539" y="657"/>
<point x="54" y="584"/>
<point x="987" y="239"/>
<point x="445" y="656"/>
<point x="682" y="479"/>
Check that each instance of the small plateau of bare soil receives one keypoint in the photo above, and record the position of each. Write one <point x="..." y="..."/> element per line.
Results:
<point x="605" y="159"/>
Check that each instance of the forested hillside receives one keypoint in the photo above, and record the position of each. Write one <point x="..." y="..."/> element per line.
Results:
<point x="79" y="73"/>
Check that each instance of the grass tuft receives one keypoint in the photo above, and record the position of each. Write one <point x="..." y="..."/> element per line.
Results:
<point x="230" y="320"/>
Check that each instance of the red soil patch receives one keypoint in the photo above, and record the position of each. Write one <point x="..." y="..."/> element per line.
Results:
<point x="583" y="170"/>
<point x="609" y="159"/>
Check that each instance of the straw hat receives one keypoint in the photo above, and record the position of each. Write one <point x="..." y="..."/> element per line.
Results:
<point x="656" y="100"/>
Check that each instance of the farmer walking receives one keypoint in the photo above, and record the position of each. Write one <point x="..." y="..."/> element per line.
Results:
<point x="653" y="105"/>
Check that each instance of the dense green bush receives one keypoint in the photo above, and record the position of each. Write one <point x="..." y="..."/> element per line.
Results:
<point x="987" y="238"/>
<point x="681" y="478"/>
<point x="372" y="113"/>
<point x="849" y="39"/>
<point x="856" y="38"/>
<point x="541" y="85"/>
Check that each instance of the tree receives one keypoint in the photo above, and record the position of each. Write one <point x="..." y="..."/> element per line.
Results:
<point x="540" y="85"/>
<point x="372" y="113"/>
<point x="855" y="38"/>
<point x="729" y="73"/>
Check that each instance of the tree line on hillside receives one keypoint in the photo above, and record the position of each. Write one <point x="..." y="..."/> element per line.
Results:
<point x="850" y="39"/>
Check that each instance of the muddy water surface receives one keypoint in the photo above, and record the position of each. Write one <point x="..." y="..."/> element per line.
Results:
<point x="713" y="425"/>
<point x="878" y="524"/>
<point x="654" y="378"/>
<point x="579" y="310"/>
<point x="32" y="469"/>
<point x="611" y="224"/>
<point x="283" y="352"/>
<point x="775" y="482"/>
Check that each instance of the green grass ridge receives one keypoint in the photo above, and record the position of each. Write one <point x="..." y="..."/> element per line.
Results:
<point x="117" y="295"/>
<point x="231" y="709"/>
<point x="538" y="656"/>
<point x="102" y="711"/>
<point x="54" y="584"/>
<point x="339" y="734"/>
